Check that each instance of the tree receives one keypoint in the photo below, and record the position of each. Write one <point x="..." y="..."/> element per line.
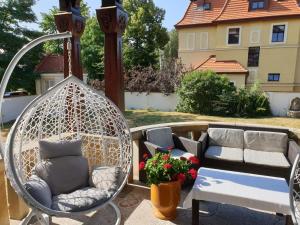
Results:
<point x="144" y="36"/>
<point x="12" y="37"/>
<point x="171" y="48"/>
<point x="93" y="50"/>
<point x="48" y="27"/>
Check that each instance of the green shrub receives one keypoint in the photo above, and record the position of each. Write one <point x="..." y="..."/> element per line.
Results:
<point x="199" y="90"/>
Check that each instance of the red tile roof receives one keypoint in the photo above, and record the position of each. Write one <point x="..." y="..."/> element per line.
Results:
<point x="51" y="64"/>
<point x="221" y="67"/>
<point x="230" y="10"/>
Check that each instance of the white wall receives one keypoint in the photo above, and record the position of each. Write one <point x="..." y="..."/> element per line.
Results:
<point x="280" y="102"/>
<point x="12" y="107"/>
<point x="135" y="100"/>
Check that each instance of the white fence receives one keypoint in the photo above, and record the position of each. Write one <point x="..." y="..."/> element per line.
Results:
<point x="12" y="107"/>
<point x="279" y="102"/>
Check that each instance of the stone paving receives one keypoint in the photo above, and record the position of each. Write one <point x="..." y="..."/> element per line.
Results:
<point x="136" y="209"/>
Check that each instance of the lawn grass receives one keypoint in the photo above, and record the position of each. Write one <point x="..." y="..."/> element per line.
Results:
<point x="138" y="118"/>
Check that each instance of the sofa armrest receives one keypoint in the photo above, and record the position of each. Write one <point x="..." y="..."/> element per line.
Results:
<point x="294" y="150"/>
<point x="191" y="146"/>
<point x="203" y="140"/>
<point x="153" y="148"/>
<point x="39" y="190"/>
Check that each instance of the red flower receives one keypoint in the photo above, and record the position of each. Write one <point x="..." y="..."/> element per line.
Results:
<point x="166" y="157"/>
<point x="142" y="165"/>
<point x="145" y="156"/>
<point x="194" y="160"/>
<point x="193" y="173"/>
<point x="183" y="158"/>
<point x="181" y="177"/>
<point x="167" y="166"/>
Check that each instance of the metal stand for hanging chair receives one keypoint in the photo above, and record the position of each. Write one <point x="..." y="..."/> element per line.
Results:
<point x="92" y="116"/>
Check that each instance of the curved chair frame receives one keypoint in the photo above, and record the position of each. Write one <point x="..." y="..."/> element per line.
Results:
<point x="295" y="194"/>
<point x="37" y="208"/>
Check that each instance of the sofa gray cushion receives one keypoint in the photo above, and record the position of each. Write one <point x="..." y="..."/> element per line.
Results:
<point x="225" y="137"/>
<point x="160" y="136"/>
<point x="266" y="141"/>
<point x="177" y="154"/>
<point x="107" y="178"/>
<point x="225" y="153"/>
<point x="274" y="159"/>
<point x="64" y="174"/>
<point x="80" y="200"/>
<point x="50" y="149"/>
<point x="39" y="190"/>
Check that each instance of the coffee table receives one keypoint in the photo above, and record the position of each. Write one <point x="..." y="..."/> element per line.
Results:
<point x="241" y="189"/>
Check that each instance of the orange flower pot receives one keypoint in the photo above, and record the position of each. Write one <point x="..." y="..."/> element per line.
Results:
<point x="165" y="198"/>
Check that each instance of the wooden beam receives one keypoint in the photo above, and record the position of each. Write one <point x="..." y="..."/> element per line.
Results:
<point x="113" y="21"/>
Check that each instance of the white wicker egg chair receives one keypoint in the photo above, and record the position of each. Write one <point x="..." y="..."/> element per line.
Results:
<point x="66" y="113"/>
<point x="295" y="191"/>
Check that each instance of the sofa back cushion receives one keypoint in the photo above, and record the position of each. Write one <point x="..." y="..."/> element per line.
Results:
<point x="160" y="136"/>
<point x="64" y="174"/>
<point x="50" y="149"/>
<point x="233" y="138"/>
<point x="266" y="141"/>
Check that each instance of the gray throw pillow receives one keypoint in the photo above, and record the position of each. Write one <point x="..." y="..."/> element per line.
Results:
<point x="64" y="174"/>
<point x="106" y="178"/>
<point x="39" y="190"/>
<point x="49" y="150"/>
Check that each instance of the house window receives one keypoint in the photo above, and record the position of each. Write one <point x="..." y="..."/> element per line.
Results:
<point x="278" y="33"/>
<point x="49" y="84"/>
<point x="257" y="5"/>
<point x="273" y="76"/>
<point x="234" y="36"/>
<point x="253" y="56"/>
<point x="207" y="6"/>
<point x="203" y="40"/>
<point x="189" y="42"/>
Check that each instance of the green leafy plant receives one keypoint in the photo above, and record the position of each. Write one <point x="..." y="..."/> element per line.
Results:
<point x="200" y="89"/>
<point x="162" y="168"/>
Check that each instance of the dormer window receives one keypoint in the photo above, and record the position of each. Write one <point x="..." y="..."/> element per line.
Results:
<point x="254" y="5"/>
<point x="204" y="7"/>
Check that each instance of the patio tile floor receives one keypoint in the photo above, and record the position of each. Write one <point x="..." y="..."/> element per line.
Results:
<point x="136" y="209"/>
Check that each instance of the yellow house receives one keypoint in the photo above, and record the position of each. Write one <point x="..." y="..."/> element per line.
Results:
<point x="259" y="38"/>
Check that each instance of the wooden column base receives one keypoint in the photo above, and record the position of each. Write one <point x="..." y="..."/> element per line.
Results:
<point x="4" y="216"/>
<point x="195" y="211"/>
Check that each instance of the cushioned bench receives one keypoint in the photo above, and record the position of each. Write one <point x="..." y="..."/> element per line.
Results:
<point x="248" y="149"/>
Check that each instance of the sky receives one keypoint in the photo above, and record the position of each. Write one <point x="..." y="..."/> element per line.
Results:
<point x="175" y="9"/>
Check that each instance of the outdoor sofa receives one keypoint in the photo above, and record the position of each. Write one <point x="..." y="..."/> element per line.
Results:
<point x="251" y="149"/>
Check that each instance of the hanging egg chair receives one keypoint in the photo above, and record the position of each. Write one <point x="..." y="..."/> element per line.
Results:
<point x="69" y="151"/>
<point x="295" y="191"/>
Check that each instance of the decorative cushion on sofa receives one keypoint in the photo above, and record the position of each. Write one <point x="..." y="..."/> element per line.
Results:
<point x="64" y="174"/>
<point x="160" y="136"/>
<point x="266" y="141"/>
<point x="80" y="200"/>
<point x="233" y="138"/>
<point x="274" y="159"/>
<point x="49" y="150"/>
<point x="39" y="190"/>
<point x="106" y="178"/>
<point x="177" y="154"/>
<point x="225" y="153"/>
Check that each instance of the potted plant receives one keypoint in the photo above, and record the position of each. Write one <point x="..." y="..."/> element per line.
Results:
<point x="166" y="175"/>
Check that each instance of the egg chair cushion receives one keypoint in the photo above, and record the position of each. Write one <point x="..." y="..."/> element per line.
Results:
<point x="80" y="200"/>
<point x="106" y="178"/>
<point x="64" y="174"/>
<point x="50" y="149"/>
<point x="39" y="190"/>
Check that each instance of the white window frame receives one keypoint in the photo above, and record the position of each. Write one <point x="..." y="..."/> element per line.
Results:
<point x="240" y="36"/>
<point x="285" y="33"/>
<point x="186" y="39"/>
<point x="251" y="36"/>
<point x="207" y="42"/>
<point x="48" y="83"/>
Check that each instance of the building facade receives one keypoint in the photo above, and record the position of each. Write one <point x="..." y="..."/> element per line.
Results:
<point x="247" y="40"/>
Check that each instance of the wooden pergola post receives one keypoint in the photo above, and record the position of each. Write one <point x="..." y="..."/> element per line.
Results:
<point x="113" y="21"/>
<point x="70" y="19"/>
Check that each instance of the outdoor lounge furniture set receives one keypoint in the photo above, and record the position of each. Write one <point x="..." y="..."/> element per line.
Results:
<point x="247" y="166"/>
